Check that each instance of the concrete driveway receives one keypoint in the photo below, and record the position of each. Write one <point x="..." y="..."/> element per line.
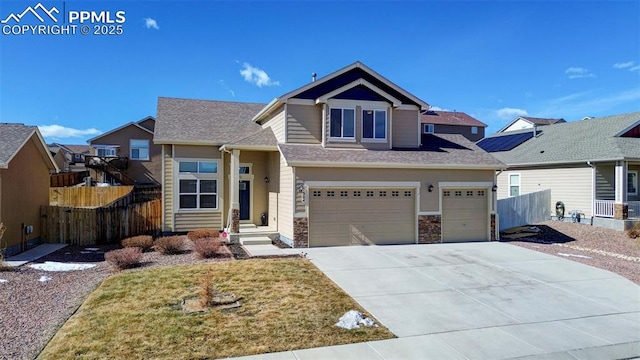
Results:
<point x="481" y="301"/>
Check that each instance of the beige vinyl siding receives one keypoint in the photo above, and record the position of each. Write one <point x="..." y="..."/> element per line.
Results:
<point x="276" y="122"/>
<point x="605" y="182"/>
<point x="358" y="142"/>
<point x="285" y="200"/>
<point x="273" y="188"/>
<point x="571" y="185"/>
<point x="197" y="151"/>
<point x="429" y="201"/>
<point x="187" y="221"/>
<point x="304" y="124"/>
<point x="405" y="128"/>
<point x="167" y="187"/>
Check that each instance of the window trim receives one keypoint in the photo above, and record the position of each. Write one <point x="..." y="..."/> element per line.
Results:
<point x="217" y="176"/>
<point x="519" y="185"/>
<point x="131" y="147"/>
<point x="425" y="128"/>
<point x="474" y="130"/>
<point x="635" y="185"/>
<point x="386" y="126"/>
<point x="342" y="137"/>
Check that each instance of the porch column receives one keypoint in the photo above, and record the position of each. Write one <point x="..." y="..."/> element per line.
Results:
<point x="234" y="192"/>
<point x="620" y="206"/>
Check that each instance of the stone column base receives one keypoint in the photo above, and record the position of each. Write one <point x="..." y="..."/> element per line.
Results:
<point x="621" y="211"/>
<point x="429" y="229"/>
<point x="493" y="227"/>
<point x="300" y="232"/>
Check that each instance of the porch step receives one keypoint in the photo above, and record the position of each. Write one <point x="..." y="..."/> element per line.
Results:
<point x="255" y="240"/>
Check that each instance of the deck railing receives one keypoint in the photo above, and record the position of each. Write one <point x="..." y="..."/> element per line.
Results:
<point x="603" y="208"/>
<point x="634" y="209"/>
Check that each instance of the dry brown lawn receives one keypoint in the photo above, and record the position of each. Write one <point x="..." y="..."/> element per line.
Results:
<point x="287" y="304"/>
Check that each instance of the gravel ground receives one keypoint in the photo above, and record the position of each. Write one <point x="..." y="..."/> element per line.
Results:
<point x="602" y="248"/>
<point x="32" y="310"/>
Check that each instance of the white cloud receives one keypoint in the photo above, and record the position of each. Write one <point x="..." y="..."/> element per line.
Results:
<point x="589" y="103"/>
<point x="256" y="76"/>
<point x="233" y="93"/>
<point x="151" y="23"/>
<point x="60" y="132"/>
<point x="438" y="108"/>
<point x="635" y="68"/>
<point x="510" y="113"/>
<point x="623" y="65"/>
<point x="579" y="72"/>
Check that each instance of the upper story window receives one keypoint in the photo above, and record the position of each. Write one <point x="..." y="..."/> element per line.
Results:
<point x="139" y="149"/>
<point x="343" y="123"/>
<point x="474" y="130"/>
<point x="374" y="124"/>
<point x="428" y="128"/>
<point x="106" y="151"/>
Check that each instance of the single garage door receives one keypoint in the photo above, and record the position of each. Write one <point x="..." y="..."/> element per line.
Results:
<point x="339" y="217"/>
<point x="464" y="215"/>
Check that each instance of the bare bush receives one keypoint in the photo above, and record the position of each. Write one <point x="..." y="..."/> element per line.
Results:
<point x="124" y="258"/>
<point x="3" y="265"/>
<point x="207" y="247"/>
<point x="144" y="242"/>
<point x="169" y="245"/>
<point x="634" y="233"/>
<point x="203" y="233"/>
<point x="207" y="291"/>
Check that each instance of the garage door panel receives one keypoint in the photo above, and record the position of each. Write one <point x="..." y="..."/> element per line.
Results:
<point x="464" y="215"/>
<point x="361" y="216"/>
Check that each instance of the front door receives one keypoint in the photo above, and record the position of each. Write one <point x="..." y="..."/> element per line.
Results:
<point x="245" y="199"/>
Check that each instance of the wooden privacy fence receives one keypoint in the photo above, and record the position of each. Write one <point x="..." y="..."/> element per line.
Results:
<point x="67" y="179"/>
<point x="524" y="209"/>
<point x="102" y="225"/>
<point x="87" y="196"/>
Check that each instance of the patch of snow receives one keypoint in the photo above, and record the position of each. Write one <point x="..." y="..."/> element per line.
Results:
<point x="574" y="255"/>
<point x="352" y="319"/>
<point x="58" y="266"/>
<point x="103" y="184"/>
<point x="91" y="249"/>
<point x="44" y="278"/>
<point x="3" y="281"/>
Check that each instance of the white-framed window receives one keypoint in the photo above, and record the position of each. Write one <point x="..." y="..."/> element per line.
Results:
<point x="374" y="124"/>
<point x="342" y="123"/>
<point x="428" y="128"/>
<point x="106" y="150"/>
<point x="632" y="182"/>
<point x="197" y="185"/>
<point x="474" y="130"/>
<point x="514" y="184"/>
<point x="139" y="149"/>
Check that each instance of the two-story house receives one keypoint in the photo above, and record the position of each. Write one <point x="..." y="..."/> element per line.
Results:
<point x="452" y="122"/>
<point x="339" y="161"/>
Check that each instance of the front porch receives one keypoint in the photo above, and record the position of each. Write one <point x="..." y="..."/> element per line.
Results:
<point x="616" y="201"/>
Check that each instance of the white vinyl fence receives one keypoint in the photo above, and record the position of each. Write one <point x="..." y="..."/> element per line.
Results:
<point x="524" y="209"/>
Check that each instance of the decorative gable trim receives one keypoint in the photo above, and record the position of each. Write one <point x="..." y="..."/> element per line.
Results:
<point x="323" y="99"/>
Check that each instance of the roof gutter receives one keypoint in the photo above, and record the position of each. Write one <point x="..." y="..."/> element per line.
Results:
<point x="390" y="165"/>
<point x="567" y="162"/>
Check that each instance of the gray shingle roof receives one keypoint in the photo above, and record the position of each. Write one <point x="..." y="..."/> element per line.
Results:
<point x="462" y="152"/>
<point x="204" y="121"/>
<point x="12" y="137"/>
<point x="264" y="137"/>
<point x="543" y="121"/>
<point x="585" y="140"/>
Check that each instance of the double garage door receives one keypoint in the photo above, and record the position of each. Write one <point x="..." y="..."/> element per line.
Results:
<point x="360" y="216"/>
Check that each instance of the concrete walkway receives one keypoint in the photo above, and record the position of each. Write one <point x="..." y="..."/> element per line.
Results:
<point x="33" y="254"/>
<point x="480" y="301"/>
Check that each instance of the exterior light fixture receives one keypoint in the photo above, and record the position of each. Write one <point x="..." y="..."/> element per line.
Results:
<point x="494" y="188"/>
<point x="430" y="188"/>
<point x="266" y="179"/>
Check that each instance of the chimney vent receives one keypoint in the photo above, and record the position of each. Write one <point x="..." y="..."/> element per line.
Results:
<point x="313" y="77"/>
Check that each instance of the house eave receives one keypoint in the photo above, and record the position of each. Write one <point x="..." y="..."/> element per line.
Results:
<point x="572" y="162"/>
<point x="185" y="142"/>
<point x="248" y="147"/>
<point x="382" y="165"/>
<point x="268" y="109"/>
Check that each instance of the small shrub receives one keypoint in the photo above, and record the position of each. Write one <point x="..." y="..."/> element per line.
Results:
<point x="207" y="291"/>
<point x="169" y="245"/>
<point x="207" y="247"/>
<point x="124" y="258"/>
<point x="3" y="265"/>
<point x="203" y="233"/>
<point x="144" y="242"/>
<point x="634" y="233"/>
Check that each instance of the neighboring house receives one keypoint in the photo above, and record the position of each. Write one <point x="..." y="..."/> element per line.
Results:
<point x="338" y="161"/>
<point x="127" y="155"/>
<point x="69" y="158"/>
<point x="590" y="165"/>
<point x="25" y="166"/>
<point x="452" y="122"/>
<point x="527" y="122"/>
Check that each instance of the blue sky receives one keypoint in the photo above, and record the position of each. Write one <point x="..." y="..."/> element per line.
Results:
<point x="492" y="60"/>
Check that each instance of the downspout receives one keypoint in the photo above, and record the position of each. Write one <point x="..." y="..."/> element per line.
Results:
<point x="593" y="189"/>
